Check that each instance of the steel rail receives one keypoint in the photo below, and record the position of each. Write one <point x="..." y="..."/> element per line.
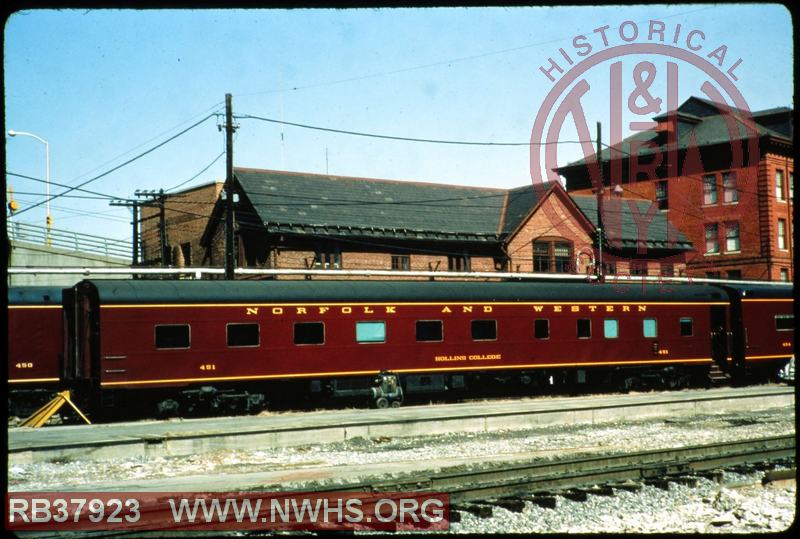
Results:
<point x="521" y="479"/>
<point x="553" y="475"/>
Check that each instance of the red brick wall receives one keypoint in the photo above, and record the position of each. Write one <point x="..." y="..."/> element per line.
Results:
<point x="186" y="216"/>
<point x="757" y="212"/>
<point x="552" y="219"/>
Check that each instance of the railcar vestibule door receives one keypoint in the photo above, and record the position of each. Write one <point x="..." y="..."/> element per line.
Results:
<point x="719" y="335"/>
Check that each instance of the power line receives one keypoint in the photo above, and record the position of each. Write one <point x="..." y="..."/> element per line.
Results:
<point x="405" y="139"/>
<point x="162" y="133"/>
<point x="441" y="62"/>
<point x="60" y="185"/>
<point x="86" y="213"/>
<point x="196" y="175"/>
<point x="129" y="161"/>
<point x="82" y="197"/>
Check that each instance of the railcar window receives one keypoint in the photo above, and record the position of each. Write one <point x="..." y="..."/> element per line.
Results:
<point x="173" y="336"/>
<point x="650" y="328"/>
<point x="429" y="330"/>
<point x="610" y="328"/>
<point x="309" y="333"/>
<point x="687" y="327"/>
<point x="243" y="335"/>
<point x="784" y="322"/>
<point x="371" y="331"/>
<point x="584" y="328"/>
<point x="484" y="330"/>
<point x="541" y="328"/>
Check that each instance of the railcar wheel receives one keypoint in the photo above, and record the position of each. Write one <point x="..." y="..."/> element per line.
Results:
<point x="631" y="383"/>
<point x="381" y="402"/>
<point x="396" y="404"/>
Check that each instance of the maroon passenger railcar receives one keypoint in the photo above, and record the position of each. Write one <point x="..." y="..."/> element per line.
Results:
<point x="762" y="329"/>
<point x="177" y="343"/>
<point x="35" y="344"/>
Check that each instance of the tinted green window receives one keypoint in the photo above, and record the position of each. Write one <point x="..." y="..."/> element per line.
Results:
<point x="370" y="331"/>
<point x="650" y="328"/>
<point x="610" y="328"/>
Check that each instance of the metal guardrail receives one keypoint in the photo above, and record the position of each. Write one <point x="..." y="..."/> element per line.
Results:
<point x="72" y="241"/>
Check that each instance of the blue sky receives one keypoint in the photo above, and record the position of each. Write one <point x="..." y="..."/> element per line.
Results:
<point x="104" y="85"/>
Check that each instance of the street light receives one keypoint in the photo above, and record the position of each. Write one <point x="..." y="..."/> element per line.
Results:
<point x="12" y="133"/>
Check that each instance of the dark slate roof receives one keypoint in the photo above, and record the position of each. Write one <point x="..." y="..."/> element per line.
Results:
<point x="290" y="202"/>
<point x="521" y="200"/>
<point x="287" y="292"/>
<point x="701" y="118"/>
<point x="628" y="230"/>
<point x="298" y="203"/>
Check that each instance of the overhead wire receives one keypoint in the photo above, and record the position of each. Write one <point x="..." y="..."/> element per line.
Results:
<point x="442" y="62"/>
<point x="196" y="175"/>
<point x="405" y="139"/>
<point x="212" y="108"/>
<point x="114" y="169"/>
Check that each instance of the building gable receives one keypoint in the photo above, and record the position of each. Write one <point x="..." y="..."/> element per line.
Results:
<point x="554" y="217"/>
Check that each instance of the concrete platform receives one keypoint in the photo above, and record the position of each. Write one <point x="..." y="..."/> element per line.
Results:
<point x="195" y="436"/>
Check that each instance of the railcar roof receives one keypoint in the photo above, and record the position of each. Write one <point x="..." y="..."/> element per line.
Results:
<point x="762" y="291"/>
<point x="281" y="291"/>
<point x="34" y="295"/>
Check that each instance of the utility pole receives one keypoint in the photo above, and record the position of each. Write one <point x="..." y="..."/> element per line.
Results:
<point x="230" y="260"/>
<point x="600" y="190"/>
<point x="162" y="229"/>
<point x="160" y="197"/>
<point x="134" y="205"/>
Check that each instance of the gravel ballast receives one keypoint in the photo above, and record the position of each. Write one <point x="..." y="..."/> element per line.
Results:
<point x="708" y="508"/>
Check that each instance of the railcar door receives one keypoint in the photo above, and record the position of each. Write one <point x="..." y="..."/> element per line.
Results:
<point x="68" y="358"/>
<point x="719" y="336"/>
<point x="80" y="369"/>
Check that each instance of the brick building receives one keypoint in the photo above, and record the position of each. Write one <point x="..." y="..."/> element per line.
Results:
<point x="290" y="220"/>
<point x="725" y="180"/>
<point x="186" y="215"/>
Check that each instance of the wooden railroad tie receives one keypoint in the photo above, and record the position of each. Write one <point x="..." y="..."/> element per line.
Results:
<point x="546" y="501"/>
<point x="477" y="509"/>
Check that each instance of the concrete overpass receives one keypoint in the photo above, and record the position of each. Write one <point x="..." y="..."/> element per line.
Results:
<point x="30" y="246"/>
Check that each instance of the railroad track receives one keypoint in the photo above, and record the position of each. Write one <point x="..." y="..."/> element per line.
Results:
<point x="561" y="475"/>
<point x="510" y="486"/>
<point x="166" y="438"/>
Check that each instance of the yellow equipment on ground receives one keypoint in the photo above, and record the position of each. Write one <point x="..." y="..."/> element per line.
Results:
<point x="44" y="413"/>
